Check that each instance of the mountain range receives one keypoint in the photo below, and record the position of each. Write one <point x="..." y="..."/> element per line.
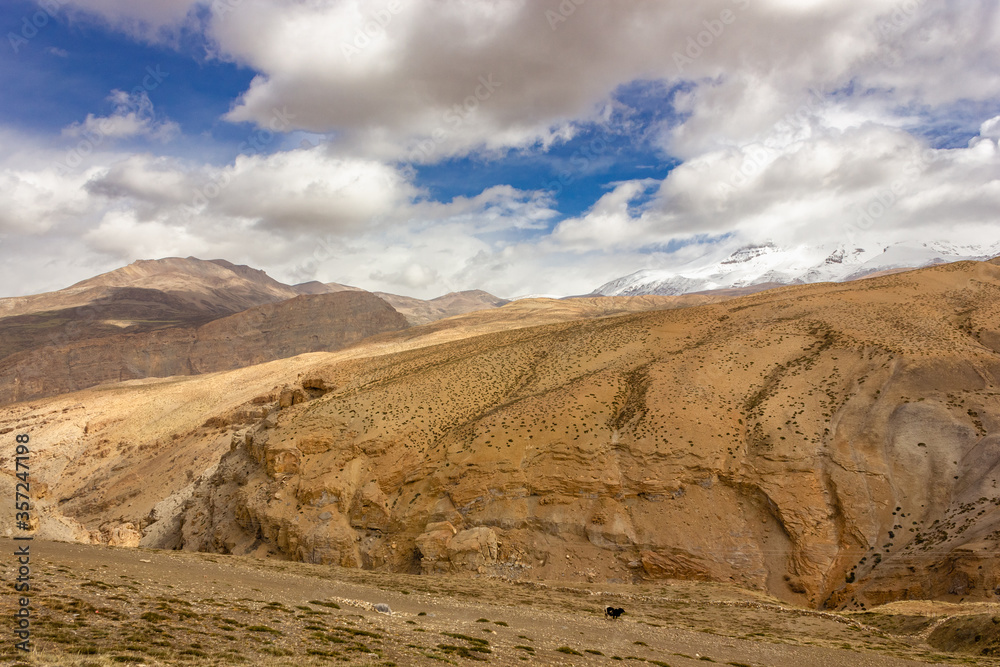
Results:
<point x="759" y="266"/>
<point x="174" y="316"/>
<point x="834" y="445"/>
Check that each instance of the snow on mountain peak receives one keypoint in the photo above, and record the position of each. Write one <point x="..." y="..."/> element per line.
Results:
<point x="749" y="252"/>
<point x="761" y="263"/>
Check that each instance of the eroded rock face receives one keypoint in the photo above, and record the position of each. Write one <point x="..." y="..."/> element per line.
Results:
<point x="444" y="549"/>
<point x="684" y="445"/>
<point x="473" y="549"/>
<point x="433" y="546"/>
<point x="675" y="566"/>
<point x="833" y="444"/>
<point x="123" y="535"/>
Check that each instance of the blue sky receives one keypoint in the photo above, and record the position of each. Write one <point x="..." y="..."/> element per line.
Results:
<point x="69" y="68"/>
<point x="285" y="135"/>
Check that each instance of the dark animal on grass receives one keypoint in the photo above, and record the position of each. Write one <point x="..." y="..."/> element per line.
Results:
<point x="613" y="612"/>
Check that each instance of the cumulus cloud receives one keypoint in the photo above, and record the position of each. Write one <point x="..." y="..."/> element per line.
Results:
<point x="830" y="185"/>
<point x="302" y="214"/>
<point x="514" y="74"/>
<point x="437" y="79"/>
<point x="305" y="190"/>
<point x="425" y="80"/>
<point x="991" y="128"/>
<point x="133" y="116"/>
<point x="792" y="121"/>
<point x="33" y="202"/>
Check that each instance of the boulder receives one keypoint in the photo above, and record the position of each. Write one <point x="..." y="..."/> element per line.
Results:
<point x="473" y="549"/>
<point x="290" y="397"/>
<point x="282" y="461"/>
<point x="433" y="544"/>
<point x="124" y="535"/>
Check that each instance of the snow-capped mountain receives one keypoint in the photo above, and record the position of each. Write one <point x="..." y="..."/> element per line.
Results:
<point x="767" y="263"/>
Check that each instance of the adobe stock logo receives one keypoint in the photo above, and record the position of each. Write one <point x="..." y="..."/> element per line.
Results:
<point x="565" y="9"/>
<point x="255" y="143"/>
<point x="698" y="43"/>
<point x="134" y="104"/>
<point x="886" y="198"/>
<point x="455" y="117"/>
<point x="372" y="29"/>
<point x="31" y="25"/>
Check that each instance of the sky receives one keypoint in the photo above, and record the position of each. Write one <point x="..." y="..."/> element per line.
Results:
<point x="522" y="147"/>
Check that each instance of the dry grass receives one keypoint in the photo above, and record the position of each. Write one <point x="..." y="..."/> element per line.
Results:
<point x="101" y="606"/>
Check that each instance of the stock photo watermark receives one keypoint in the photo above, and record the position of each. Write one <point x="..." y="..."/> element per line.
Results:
<point x="886" y="198"/>
<point x="561" y="14"/>
<point x="220" y="8"/>
<point x="892" y="24"/>
<point x="898" y="19"/>
<point x="758" y="156"/>
<point x="455" y="117"/>
<point x="31" y="25"/>
<point x="96" y="131"/>
<point x="372" y="29"/>
<point x="700" y="42"/>
<point x="25" y="523"/>
<point x="254" y="144"/>
<point x="581" y="160"/>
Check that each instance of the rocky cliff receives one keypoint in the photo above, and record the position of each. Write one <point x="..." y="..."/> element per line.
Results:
<point x="832" y="444"/>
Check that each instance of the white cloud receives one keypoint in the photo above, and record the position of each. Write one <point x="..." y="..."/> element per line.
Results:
<point x="307" y="214"/>
<point x="133" y="116"/>
<point x="267" y="211"/>
<point x="159" y="21"/>
<point x="34" y="202"/>
<point x="991" y="128"/>
<point x="392" y="82"/>
<point x="305" y="190"/>
<point x="461" y="76"/>
<point x="830" y="185"/>
<point x="798" y="121"/>
<point x="423" y="80"/>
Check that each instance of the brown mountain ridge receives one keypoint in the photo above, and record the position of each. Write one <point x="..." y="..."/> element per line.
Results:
<point x="174" y="316"/>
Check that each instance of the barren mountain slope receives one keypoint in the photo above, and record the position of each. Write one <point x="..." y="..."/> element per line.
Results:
<point x="210" y="286"/>
<point x="420" y="311"/>
<point x="148" y="295"/>
<point x="147" y="318"/>
<point x="307" y="323"/>
<point x="792" y="440"/>
<point x="776" y="441"/>
<point x="91" y="443"/>
<point x="530" y="312"/>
